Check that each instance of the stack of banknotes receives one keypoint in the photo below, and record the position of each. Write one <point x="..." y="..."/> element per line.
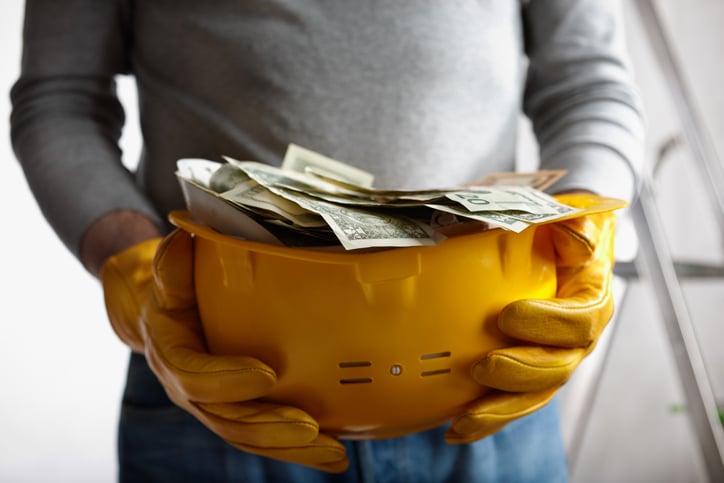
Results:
<point x="316" y="201"/>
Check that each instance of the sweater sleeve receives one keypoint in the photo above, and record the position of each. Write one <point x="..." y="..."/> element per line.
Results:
<point x="66" y="119"/>
<point x="580" y="95"/>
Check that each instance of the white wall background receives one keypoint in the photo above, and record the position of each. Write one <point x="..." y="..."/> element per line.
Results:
<point x="61" y="366"/>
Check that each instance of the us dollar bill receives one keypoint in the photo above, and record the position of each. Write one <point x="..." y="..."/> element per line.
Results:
<point x="302" y="160"/>
<point x="226" y="177"/>
<point x="207" y="207"/>
<point x="357" y="228"/>
<point x="496" y="219"/>
<point x="505" y="199"/>
<point x="539" y="180"/>
<point x="267" y="175"/>
<point x="199" y="171"/>
<point x="251" y="194"/>
<point x="314" y="197"/>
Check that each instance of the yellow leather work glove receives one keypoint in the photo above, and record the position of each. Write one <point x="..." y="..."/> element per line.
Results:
<point x="557" y="333"/>
<point x="151" y="303"/>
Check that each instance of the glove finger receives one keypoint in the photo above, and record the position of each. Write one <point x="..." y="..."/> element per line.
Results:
<point x="324" y="454"/>
<point x="494" y="410"/>
<point x="527" y="369"/>
<point x="451" y="437"/>
<point x="175" y="346"/>
<point x="574" y="318"/>
<point x="176" y="352"/>
<point x="258" y="424"/>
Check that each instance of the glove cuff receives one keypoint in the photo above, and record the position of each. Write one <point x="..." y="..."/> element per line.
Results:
<point x="126" y="279"/>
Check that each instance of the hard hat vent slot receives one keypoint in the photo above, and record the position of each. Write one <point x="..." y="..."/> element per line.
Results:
<point x="436" y="372"/>
<point x="353" y="365"/>
<point x="344" y="365"/>
<point x="358" y="380"/>
<point x="435" y="355"/>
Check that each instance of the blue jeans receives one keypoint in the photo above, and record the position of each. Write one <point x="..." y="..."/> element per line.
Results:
<point x="159" y="442"/>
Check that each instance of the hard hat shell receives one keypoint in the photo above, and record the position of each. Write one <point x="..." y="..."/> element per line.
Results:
<point x="371" y="344"/>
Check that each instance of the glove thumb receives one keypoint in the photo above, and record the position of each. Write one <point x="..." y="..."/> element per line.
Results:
<point x="173" y="272"/>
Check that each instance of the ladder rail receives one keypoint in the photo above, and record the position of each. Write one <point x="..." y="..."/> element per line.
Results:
<point x="654" y="260"/>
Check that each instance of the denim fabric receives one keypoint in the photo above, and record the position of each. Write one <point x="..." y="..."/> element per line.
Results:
<point x="161" y="443"/>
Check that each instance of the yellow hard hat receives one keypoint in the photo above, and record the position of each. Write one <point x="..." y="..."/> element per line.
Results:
<point x="372" y="344"/>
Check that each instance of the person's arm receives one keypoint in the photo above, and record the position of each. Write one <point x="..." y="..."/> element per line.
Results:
<point x="580" y="95"/>
<point x="584" y="109"/>
<point x="113" y="233"/>
<point x="66" y="123"/>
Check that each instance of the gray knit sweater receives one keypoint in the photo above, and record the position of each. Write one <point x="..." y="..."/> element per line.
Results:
<point x="419" y="92"/>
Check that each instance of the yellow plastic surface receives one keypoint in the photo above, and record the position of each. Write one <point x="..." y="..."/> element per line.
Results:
<point x="374" y="344"/>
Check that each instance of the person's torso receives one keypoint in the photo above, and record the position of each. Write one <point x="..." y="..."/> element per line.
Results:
<point x="420" y="93"/>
